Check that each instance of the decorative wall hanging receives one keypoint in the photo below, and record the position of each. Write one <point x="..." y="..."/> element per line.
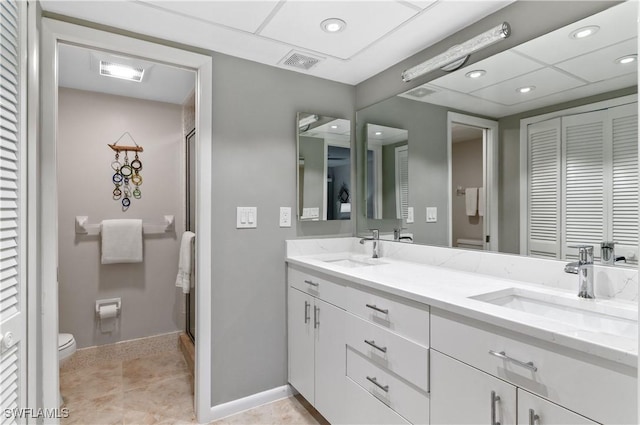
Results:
<point x="126" y="173"/>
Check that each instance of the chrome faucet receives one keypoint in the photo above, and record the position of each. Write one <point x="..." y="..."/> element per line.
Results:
<point x="584" y="268"/>
<point x="397" y="235"/>
<point x="607" y="254"/>
<point x="375" y="238"/>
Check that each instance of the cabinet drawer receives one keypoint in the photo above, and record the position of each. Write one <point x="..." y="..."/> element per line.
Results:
<point x="534" y="410"/>
<point x="401" y="356"/>
<point x="406" y="399"/>
<point x="319" y="287"/>
<point x="602" y="390"/>
<point x="366" y="409"/>
<point x="406" y="318"/>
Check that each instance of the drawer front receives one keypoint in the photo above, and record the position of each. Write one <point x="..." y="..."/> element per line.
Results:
<point x="365" y="409"/>
<point x="596" y="388"/>
<point x="534" y="410"/>
<point x="410" y="320"/>
<point x="391" y="351"/>
<point x="319" y="287"/>
<point x="406" y="399"/>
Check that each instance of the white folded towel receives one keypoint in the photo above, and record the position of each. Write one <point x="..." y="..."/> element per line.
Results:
<point x="121" y="241"/>
<point x="481" y="201"/>
<point x="471" y="200"/>
<point x="185" y="262"/>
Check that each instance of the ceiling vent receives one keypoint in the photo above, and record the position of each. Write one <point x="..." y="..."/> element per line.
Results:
<point x="299" y="60"/>
<point x="420" y="92"/>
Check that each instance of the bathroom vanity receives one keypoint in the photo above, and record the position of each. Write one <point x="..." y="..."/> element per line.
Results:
<point x="399" y="340"/>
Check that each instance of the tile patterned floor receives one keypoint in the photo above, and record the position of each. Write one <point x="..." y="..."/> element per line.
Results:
<point x="157" y="390"/>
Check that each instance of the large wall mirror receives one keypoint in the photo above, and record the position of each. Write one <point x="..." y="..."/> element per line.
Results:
<point x="324" y="168"/>
<point x="530" y="151"/>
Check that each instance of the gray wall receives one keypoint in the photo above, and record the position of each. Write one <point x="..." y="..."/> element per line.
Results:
<point x="312" y="180"/>
<point x="427" y="127"/>
<point x="151" y="304"/>
<point x="389" y="179"/>
<point x="254" y="164"/>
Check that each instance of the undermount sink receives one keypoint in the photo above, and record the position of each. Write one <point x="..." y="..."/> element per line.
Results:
<point x="589" y="315"/>
<point x="351" y="262"/>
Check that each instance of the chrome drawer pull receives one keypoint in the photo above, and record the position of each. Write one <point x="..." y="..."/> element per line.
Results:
<point x="376" y="308"/>
<point x="502" y="355"/>
<point x="306" y="312"/>
<point x="533" y="418"/>
<point x="375" y="382"/>
<point x="377" y="347"/>
<point x="494" y="399"/>
<point x="316" y="316"/>
<point x="312" y="283"/>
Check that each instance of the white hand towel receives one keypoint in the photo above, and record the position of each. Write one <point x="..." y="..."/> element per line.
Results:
<point x="121" y="241"/>
<point x="481" y="201"/>
<point x="471" y="200"/>
<point x="185" y="262"/>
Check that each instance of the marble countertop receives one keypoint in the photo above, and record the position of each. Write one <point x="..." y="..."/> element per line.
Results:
<point x="451" y="290"/>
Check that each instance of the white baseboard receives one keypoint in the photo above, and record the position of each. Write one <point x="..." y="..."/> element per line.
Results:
<point x="240" y="405"/>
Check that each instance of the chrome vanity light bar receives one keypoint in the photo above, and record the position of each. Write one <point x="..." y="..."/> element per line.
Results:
<point x="459" y="53"/>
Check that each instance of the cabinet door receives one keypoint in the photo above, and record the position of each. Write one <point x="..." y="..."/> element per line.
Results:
<point x="533" y="410"/>
<point x="301" y="344"/>
<point x="461" y="394"/>
<point x="330" y="361"/>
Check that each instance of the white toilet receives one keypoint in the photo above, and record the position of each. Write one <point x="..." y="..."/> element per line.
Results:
<point x="66" y="348"/>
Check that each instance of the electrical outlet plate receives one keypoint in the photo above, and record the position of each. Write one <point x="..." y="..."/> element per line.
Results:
<point x="285" y="216"/>
<point x="246" y="217"/>
<point x="432" y="214"/>
<point x="409" y="215"/>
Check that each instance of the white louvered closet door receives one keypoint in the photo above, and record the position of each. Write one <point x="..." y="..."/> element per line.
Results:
<point x="402" y="181"/>
<point x="544" y="188"/>
<point x="585" y="187"/>
<point x="12" y="276"/>
<point x="624" y="193"/>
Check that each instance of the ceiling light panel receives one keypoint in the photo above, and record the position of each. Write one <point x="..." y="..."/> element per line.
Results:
<point x="243" y="15"/>
<point x="121" y="71"/>
<point x="546" y="81"/>
<point x="616" y="24"/>
<point x="601" y="64"/>
<point x="584" y="32"/>
<point x="298" y="23"/>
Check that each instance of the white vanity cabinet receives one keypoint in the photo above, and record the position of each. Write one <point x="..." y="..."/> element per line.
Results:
<point x="461" y="394"/>
<point x="601" y="390"/>
<point x="316" y="346"/>
<point x="534" y="410"/>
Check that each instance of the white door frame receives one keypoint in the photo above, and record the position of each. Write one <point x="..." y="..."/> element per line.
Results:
<point x="490" y="158"/>
<point x="45" y="176"/>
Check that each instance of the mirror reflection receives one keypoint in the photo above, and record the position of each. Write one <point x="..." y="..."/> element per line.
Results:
<point x="324" y="168"/>
<point x="387" y="172"/>
<point x="555" y="156"/>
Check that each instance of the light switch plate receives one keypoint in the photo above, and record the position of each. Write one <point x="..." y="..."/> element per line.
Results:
<point x="432" y="214"/>
<point x="409" y="215"/>
<point x="246" y="217"/>
<point x="285" y="216"/>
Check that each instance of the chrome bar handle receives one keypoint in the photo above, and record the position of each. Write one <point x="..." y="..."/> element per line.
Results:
<point x="377" y="347"/>
<point x="533" y="418"/>
<point x="494" y="399"/>
<point x="316" y="316"/>
<point x="502" y="355"/>
<point x="312" y="283"/>
<point x="375" y="382"/>
<point x="306" y="312"/>
<point x="376" y="308"/>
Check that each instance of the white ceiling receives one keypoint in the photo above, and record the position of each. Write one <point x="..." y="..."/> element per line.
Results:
<point x="387" y="136"/>
<point x="561" y="69"/>
<point x="379" y="33"/>
<point x="78" y="68"/>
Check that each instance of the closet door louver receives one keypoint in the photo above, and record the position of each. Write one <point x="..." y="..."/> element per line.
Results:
<point x="624" y="202"/>
<point x="12" y="279"/>
<point x="402" y="181"/>
<point x="584" y="181"/>
<point x="543" y="143"/>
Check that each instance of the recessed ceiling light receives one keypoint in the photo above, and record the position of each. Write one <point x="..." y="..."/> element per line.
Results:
<point x="584" y="32"/>
<point x="333" y="25"/>
<point x="626" y="59"/>
<point x="526" y="89"/>
<point x="476" y="73"/>
<point x="117" y="70"/>
<point x="334" y="127"/>
<point x="378" y="133"/>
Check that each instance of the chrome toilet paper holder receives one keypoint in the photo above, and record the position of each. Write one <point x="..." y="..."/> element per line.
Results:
<point x="106" y="302"/>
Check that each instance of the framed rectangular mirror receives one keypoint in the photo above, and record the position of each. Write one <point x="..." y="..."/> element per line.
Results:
<point x="324" y="168"/>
